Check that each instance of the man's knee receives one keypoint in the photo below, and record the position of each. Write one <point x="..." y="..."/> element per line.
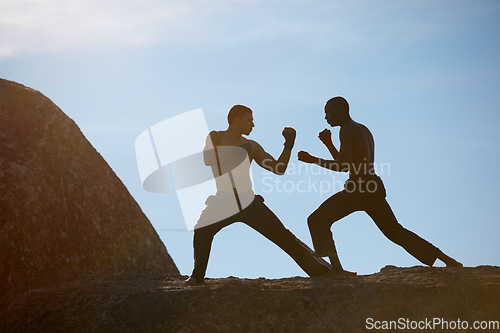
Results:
<point x="395" y="233"/>
<point x="315" y="220"/>
<point x="204" y="233"/>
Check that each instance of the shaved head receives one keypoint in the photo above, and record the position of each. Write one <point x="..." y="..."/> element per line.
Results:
<point x="338" y="104"/>
<point x="237" y="111"/>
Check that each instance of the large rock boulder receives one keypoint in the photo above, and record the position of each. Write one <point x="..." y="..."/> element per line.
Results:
<point x="62" y="208"/>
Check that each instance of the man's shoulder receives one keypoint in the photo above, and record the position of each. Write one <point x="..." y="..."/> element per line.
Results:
<point x="215" y="135"/>
<point x="364" y="130"/>
<point x="353" y="127"/>
<point x="245" y="140"/>
<point x="253" y="143"/>
<point x="353" y="130"/>
<point x="253" y="147"/>
<point x="362" y="126"/>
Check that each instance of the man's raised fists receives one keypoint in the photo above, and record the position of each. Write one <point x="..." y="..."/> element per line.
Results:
<point x="326" y="137"/>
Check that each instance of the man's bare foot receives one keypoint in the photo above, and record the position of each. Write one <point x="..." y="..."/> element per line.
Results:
<point x="449" y="261"/>
<point x="193" y="282"/>
<point x="336" y="274"/>
<point x="453" y="263"/>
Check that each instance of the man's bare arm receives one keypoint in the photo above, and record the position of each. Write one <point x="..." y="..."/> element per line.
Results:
<point x="326" y="137"/>
<point x="342" y="164"/>
<point x="266" y="161"/>
<point x="334" y="165"/>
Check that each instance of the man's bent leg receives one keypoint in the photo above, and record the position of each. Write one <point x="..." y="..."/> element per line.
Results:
<point x="202" y="244"/>
<point x="320" y="221"/>
<point x="382" y="214"/>
<point x="262" y="219"/>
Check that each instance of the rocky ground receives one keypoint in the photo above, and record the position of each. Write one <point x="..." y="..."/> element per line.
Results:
<point x="119" y="302"/>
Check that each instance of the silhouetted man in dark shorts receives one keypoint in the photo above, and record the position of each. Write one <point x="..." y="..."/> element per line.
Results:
<point x="363" y="191"/>
<point x="229" y="155"/>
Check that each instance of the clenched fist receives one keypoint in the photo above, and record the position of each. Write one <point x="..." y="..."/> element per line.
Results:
<point x="306" y="157"/>
<point x="326" y="137"/>
<point x="289" y="135"/>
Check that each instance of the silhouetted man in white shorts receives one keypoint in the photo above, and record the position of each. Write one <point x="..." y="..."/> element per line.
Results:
<point x="229" y="155"/>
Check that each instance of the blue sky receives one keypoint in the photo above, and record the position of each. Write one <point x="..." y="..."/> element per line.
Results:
<point x="424" y="76"/>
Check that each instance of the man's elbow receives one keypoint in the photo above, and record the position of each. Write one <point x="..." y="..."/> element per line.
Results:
<point x="280" y="169"/>
<point x="279" y="172"/>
